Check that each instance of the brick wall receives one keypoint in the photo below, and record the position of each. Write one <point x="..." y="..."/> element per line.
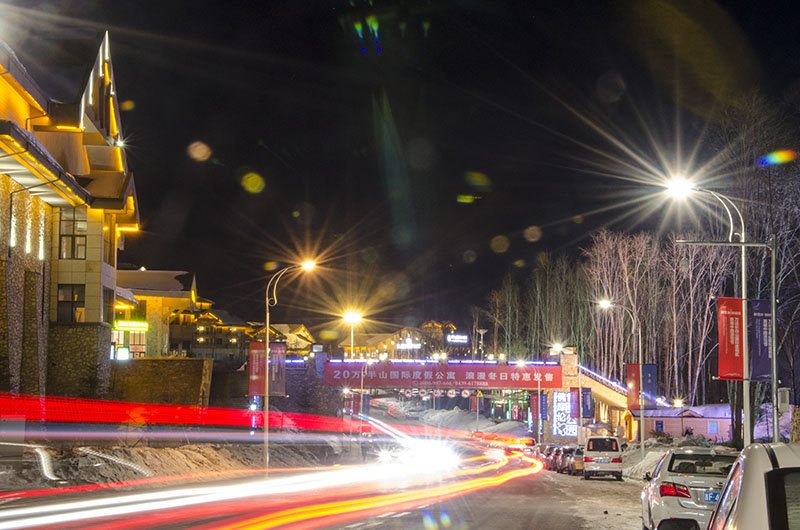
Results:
<point x="171" y="380"/>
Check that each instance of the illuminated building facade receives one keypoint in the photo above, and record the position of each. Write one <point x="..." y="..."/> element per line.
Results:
<point x="67" y="199"/>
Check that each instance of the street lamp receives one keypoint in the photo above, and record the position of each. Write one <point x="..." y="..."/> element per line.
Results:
<point x="680" y="188"/>
<point x="606" y="305"/>
<point x="271" y="300"/>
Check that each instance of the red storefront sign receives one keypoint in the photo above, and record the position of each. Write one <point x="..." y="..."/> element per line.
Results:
<point x="731" y="334"/>
<point x="435" y="375"/>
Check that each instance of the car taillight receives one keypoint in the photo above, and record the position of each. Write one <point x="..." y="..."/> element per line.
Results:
<point x="616" y="460"/>
<point x="670" y="489"/>
<point x="588" y="459"/>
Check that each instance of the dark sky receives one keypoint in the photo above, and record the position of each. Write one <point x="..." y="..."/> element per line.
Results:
<point x="364" y="154"/>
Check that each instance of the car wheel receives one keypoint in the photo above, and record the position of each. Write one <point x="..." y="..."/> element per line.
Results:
<point x="586" y="476"/>
<point x="619" y="477"/>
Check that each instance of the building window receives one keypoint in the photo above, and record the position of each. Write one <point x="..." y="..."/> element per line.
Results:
<point x="140" y="311"/>
<point x="108" y="305"/>
<point x="659" y="426"/>
<point x="71" y="302"/>
<point x="109" y="240"/>
<point x="713" y="428"/>
<point x="136" y="338"/>
<point x="72" y="239"/>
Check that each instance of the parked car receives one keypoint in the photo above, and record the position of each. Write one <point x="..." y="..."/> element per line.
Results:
<point x="602" y="456"/>
<point x="575" y="465"/>
<point x="762" y="489"/>
<point x="540" y="451"/>
<point x="684" y="488"/>
<point x="563" y="459"/>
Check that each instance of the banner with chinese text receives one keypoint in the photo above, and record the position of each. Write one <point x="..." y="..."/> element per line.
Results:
<point x="759" y="324"/>
<point x="731" y="333"/>
<point x="435" y="375"/>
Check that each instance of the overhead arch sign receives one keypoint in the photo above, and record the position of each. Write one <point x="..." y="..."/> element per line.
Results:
<point x="527" y="377"/>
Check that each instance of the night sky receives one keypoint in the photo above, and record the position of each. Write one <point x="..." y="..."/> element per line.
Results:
<point x="365" y="155"/>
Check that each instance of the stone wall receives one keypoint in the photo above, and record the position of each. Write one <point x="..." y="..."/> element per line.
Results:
<point x="78" y="360"/>
<point x="794" y="435"/>
<point x="169" y="380"/>
<point x="23" y="277"/>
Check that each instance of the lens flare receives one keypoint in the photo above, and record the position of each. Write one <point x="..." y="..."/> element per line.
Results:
<point x="778" y="157"/>
<point x="253" y="183"/>
<point x="199" y="151"/>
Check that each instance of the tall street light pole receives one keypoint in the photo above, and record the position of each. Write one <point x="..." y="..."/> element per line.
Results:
<point x="353" y="318"/>
<point x="271" y="300"/>
<point x="681" y="188"/>
<point x="607" y="304"/>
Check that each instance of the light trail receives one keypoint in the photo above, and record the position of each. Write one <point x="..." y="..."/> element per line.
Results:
<point x="370" y="477"/>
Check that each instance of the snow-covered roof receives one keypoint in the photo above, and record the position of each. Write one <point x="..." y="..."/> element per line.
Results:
<point x="125" y="294"/>
<point x="714" y="411"/>
<point x="156" y="281"/>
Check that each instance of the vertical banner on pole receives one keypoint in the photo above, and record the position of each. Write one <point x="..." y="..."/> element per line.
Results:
<point x="543" y="407"/>
<point x="731" y="363"/>
<point x="277" y="369"/>
<point x="649" y="385"/>
<point x="586" y="403"/>
<point x="632" y="383"/>
<point x="258" y="357"/>
<point x="574" y="402"/>
<point x="759" y="327"/>
<point x="535" y="407"/>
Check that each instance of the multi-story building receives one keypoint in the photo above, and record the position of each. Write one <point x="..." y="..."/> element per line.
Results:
<point x="67" y="199"/>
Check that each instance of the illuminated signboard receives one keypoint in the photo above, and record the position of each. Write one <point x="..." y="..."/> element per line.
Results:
<point x="563" y="423"/>
<point x="130" y="325"/>
<point x="457" y="339"/>
<point x="408" y="345"/>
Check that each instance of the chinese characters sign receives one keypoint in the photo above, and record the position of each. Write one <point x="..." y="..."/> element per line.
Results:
<point x="563" y="422"/>
<point x="432" y="375"/>
<point x="277" y="380"/>
<point x="731" y="362"/>
<point x="759" y="322"/>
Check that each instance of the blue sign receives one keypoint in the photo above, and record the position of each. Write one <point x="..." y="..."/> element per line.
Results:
<point x="587" y="403"/>
<point x="543" y="407"/>
<point x="759" y="326"/>
<point x="649" y="385"/>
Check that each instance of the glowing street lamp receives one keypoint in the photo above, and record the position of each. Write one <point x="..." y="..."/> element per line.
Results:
<point x="679" y="188"/>
<point x="271" y="300"/>
<point x="678" y="404"/>
<point x="607" y="304"/>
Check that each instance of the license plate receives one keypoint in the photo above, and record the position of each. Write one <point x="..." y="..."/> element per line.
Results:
<point x="710" y="496"/>
<point x="601" y="460"/>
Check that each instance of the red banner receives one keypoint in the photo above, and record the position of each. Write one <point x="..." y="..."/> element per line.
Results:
<point x="257" y="363"/>
<point x="731" y="333"/>
<point x="436" y="375"/>
<point x="277" y="380"/>
<point x="535" y="407"/>
<point x="632" y="382"/>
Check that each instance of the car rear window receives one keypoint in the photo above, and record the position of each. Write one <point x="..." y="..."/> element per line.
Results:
<point x="695" y="464"/>
<point x="602" y="444"/>
<point x="791" y="486"/>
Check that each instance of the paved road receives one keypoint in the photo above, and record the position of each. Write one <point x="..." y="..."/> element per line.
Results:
<point x="547" y="501"/>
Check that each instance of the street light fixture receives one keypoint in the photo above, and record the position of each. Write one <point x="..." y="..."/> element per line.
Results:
<point x="680" y="188"/>
<point x="271" y="300"/>
<point x="678" y="404"/>
<point x="607" y="304"/>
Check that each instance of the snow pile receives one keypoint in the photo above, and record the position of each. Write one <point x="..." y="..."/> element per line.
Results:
<point x="94" y="465"/>
<point x="763" y="427"/>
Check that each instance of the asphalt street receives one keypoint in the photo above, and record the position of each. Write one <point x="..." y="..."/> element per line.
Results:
<point x="547" y="501"/>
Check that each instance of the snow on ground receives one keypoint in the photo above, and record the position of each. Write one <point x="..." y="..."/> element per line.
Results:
<point x="456" y="418"/>
<point x="92" y="465"/>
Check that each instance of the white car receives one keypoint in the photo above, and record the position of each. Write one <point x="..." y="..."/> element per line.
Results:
<point x="684" y="488"/>
<point x="762" y="490"/>
<point x="602" y="456"/>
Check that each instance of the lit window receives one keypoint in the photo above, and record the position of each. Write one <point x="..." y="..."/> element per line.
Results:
<point x="72" y="239"/>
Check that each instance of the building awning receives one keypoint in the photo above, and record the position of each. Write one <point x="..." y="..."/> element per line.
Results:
<point x="25" y="160"/>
